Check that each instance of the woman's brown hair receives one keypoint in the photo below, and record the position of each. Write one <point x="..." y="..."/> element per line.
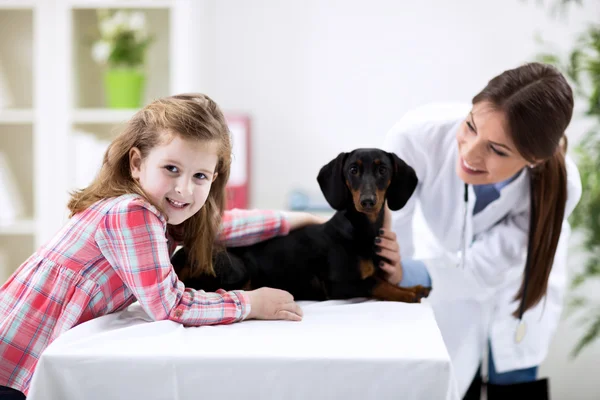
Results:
<point x="192" y="117"/>
<point x="537" y="102"/>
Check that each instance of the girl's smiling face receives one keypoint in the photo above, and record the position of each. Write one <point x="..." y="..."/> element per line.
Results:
<point x="176" y="175"/>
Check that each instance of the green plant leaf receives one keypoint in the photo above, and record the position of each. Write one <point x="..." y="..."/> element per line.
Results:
<point x="591" y="334"/>
<point x="581" y="66"/>
<point x="574" y="304"/>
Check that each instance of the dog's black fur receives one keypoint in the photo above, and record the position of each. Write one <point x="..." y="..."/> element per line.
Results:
<point x="334" y="260"/>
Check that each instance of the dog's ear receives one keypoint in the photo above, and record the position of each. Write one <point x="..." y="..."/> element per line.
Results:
<point x="332" y="182"/>
<point x="403" y="184"/>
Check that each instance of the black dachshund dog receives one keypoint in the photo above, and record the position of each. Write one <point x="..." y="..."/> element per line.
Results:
<point x="334" y="260"/>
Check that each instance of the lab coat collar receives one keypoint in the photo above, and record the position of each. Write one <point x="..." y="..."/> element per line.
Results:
<point x="514" y="198"/>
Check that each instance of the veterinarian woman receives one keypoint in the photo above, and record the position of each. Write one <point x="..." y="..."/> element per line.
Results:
<point x="495" y="190"/>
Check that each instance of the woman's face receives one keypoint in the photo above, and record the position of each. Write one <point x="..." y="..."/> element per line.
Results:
<point x="486" y="153"/>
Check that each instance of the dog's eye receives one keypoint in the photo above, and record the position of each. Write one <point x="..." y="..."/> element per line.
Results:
<point x="354" y="170"/>
<point x="382" y="169"/>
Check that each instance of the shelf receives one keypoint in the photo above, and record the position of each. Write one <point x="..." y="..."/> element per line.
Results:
<point x="16" y="116"/>
<point x="90" y="4"/>
<point x="16" y="58"/>
<point x="21" y="227"/>
<point x="101" y="115"/>
<point x="17" y="4"/>
<point x="16" y="145"/>
<point x="14" y="250"/>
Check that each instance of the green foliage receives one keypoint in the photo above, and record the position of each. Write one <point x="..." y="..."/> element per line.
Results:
<point x="582" y="67"/>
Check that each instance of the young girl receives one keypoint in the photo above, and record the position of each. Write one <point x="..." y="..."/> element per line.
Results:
<point x="162" y="183"/>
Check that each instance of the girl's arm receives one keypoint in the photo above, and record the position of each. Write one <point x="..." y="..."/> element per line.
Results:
<point x="245" y="227"/>
<point x="132" y="238"/>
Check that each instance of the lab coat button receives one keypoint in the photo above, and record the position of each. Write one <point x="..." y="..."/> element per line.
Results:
<point x="520" y="332"/>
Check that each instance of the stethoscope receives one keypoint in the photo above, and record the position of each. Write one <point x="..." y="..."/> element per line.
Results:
<point x="521" y="327"/>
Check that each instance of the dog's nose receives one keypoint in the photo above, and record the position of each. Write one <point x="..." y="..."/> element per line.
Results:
<point x="367" y="201"/>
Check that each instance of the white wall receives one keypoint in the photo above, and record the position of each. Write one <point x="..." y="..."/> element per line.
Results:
<point x="323" y="76"/>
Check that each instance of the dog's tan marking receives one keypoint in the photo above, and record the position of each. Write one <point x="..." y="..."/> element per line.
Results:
<point x="380" y="199"/>
<point x="366" y="267"/>
<point x="384" y="290"/>
<point x="355" y="196"/>
<point x="381" y="196"/>
<point x="372" y="216"/>
<point x="373" y="213"/>
<point x="348" y="185"/>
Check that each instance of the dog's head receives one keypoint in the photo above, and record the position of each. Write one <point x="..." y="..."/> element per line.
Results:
<point x="365" y="178"/>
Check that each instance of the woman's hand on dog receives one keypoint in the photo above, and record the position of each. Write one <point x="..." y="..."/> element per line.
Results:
<point x="268" y="303"/>
<point x="386" y="245"/>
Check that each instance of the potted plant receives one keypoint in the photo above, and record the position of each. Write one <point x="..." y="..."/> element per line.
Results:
<point x="121" y="49"/>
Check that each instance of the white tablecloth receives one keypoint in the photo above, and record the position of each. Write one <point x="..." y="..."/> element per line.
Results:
<point x="341" y="350"/>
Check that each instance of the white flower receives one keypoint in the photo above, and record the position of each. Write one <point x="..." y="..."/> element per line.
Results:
<point x="121" y="19"/>
<point x="137" y="21"/>
<point x="101" y="51"/>
<point x="116" y="30"/>
<point x="108" y="28"/>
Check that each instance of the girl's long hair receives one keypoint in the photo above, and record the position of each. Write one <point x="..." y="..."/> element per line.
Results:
<point x="193" y="117"/>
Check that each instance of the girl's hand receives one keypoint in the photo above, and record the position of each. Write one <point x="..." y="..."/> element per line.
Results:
<point x="299" y="219"/>
<point x="268" y="303"/>
<point x="387" y="247"/>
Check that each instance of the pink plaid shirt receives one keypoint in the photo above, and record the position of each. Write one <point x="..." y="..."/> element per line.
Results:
<point x="101" y="261"/>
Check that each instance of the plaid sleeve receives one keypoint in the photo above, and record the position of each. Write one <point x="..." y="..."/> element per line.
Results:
<point x="132" y="238"/>
<point x="245" y="227"/>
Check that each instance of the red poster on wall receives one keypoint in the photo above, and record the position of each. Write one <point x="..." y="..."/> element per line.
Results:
<point x="238" y="187"/>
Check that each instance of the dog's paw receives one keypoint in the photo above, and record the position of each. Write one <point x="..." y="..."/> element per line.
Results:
<point x="421" y="292"/>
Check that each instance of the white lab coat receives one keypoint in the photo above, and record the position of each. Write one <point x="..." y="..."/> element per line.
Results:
<point x="474" y="304"/>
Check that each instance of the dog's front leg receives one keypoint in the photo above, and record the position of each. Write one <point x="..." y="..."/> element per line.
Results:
<point x="383" y="290"/>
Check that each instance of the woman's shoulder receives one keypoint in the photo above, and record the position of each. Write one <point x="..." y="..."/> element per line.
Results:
<point x="426" y="135"/>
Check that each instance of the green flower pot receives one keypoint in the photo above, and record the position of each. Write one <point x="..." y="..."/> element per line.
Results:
<point x="124" y="87"/>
